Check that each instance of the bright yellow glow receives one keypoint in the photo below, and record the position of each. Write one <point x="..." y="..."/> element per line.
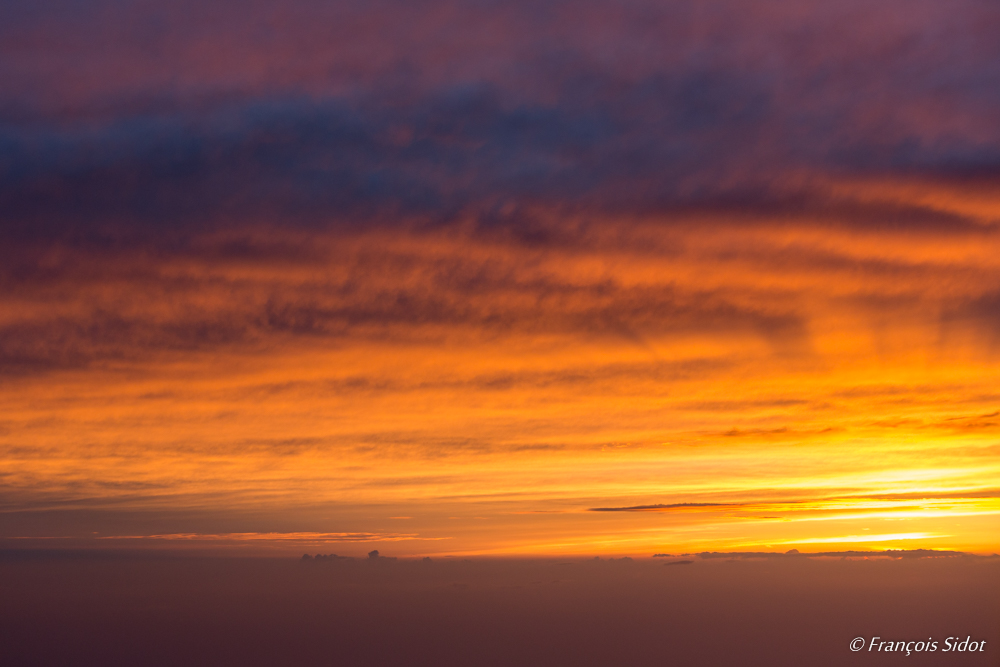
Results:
<point x="858" y="539"/>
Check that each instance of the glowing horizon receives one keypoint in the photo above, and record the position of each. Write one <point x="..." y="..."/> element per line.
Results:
<point x="465" y="421"/>
<point x="434" y="299"/>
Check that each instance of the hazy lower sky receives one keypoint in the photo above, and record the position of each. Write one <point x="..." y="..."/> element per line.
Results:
<point x="500" y="277"/>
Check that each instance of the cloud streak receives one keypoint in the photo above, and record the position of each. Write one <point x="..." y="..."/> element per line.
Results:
<point x="298" y="270"/>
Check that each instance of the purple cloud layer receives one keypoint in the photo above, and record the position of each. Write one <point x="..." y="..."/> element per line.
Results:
<point x="137" y="114"/>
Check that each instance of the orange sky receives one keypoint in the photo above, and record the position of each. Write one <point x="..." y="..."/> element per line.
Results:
<point x="784" y="384"/>
<point x="518" y="278"/>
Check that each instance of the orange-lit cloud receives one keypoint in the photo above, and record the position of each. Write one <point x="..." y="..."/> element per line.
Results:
<point x="440" y="374"/>
<point x="753" y="294"/>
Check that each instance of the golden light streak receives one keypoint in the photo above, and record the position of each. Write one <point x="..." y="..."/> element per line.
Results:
<point x="860" y="539"/>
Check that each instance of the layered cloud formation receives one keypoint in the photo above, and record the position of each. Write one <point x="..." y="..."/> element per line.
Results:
<point x="310" y="269"/>
<point x="129" y="112"/>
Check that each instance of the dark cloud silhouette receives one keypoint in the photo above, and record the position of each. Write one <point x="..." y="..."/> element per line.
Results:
<point x="325" y="557"/>
<point x="659" y="108"/>
<point x="659" y="507"/>
<point x="315" y="162"/>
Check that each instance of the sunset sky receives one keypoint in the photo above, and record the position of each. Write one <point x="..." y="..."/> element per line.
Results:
<point x="500" y="278"/>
